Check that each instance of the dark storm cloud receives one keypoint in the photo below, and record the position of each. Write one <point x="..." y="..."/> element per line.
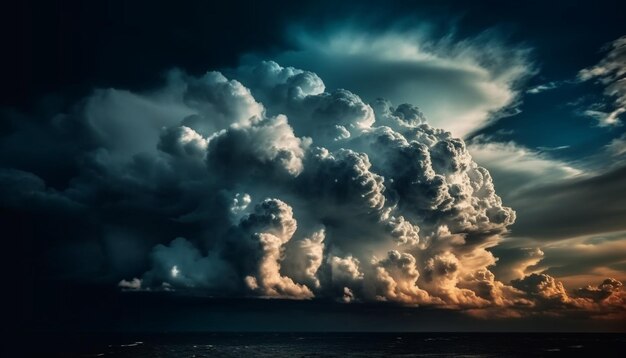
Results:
<point x="116" y="186"/>
<point x="180" y="159"/>
<point x="600" y="292"/>
<point x="200" y="187"/>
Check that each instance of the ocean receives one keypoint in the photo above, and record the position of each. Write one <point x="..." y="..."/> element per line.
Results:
<point x="327" y="345"/>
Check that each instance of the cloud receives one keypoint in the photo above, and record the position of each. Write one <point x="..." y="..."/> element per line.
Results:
<point x="599" y="256"/>
<point x="305" y="258"/>
<point x="606" y="119"/>
<point x="551" y="149"/>
<point x="610" y="73"/>
<point x="134" y="284"/>
<point x="280" y="190"/>
<point x="396" y="279"/>
<point x="460" y="84"/>
<point x="562" y="213"/>
<point x="516" y="263"/>
<point x="603" y="301"/>
<point x="617" y="147"/>
<point x="345" y="269"/>
<point x="517" y="168"/>
<point x="600" y="292"/>
<point x="526" y="177"/>
<point x="543" y="87"/>
<point x="546" y="235"/>
<point x="272" y="225"/>
<point x="180" y="264"/>
<point x="544" y="288"/>
<point x="270" y="146"/>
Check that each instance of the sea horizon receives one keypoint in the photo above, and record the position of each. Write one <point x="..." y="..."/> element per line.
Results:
<point x="321" y="344"/>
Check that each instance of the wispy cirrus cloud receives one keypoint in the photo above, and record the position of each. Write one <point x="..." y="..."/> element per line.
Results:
<point x="543" y="87"/>
<point x="617" y="147"/>
<point x="609" y="72"/>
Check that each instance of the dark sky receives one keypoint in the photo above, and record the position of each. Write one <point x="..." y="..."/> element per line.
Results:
<point x="63" y="46"/>
<point x="80" y="214"/>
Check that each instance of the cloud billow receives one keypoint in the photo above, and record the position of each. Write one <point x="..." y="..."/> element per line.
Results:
<point x="268" y="185"/>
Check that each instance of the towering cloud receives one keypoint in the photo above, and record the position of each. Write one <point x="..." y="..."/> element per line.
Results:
<point x="268" y="185"/>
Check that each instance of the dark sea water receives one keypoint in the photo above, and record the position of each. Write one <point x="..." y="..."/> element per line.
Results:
<point x="329" y="345"/>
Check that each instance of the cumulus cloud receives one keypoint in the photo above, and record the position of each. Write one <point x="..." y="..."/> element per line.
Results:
<point x="133" y="284"/>
<point x="345" y="270"/>
<point x="305" y="258"/>
<point x="603" y="301"/>
<point x="610" y="73"/>
<point x="601" y="292"/>
<point x="266" y="185"/>
<point x="271" y="226"/>
<point x="543" y="288"/>
<point x="396" y="279"/>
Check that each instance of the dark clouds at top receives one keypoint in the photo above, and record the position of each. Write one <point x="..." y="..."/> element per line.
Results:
<point x="69" y="46"/>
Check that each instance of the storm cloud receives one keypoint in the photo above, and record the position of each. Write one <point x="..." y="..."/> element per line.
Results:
<point x="268" y="184"/>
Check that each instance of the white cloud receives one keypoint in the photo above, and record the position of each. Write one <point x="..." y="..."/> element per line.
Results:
<point x="606" y="119"/>
<point x="543" y="87"/>
<point x="617" y="147"/>
<point x="134" y="284"/>
<point x="609" y="72"/>
<point x="459" y="84"/>
<point x="240" y="202"/>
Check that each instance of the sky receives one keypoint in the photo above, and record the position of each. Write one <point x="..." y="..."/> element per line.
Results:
<point x="406" y="165"/>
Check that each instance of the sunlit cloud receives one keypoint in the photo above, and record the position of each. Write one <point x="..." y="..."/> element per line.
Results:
<point x="460" y="84"/>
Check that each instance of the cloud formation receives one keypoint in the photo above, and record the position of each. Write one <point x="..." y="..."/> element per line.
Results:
<point x="461" y="84"/>
<point x="610" y="72"/>
<point x="605" y="300"/>
<point x="267" y="185"/>
<point x="543" y="87"/>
